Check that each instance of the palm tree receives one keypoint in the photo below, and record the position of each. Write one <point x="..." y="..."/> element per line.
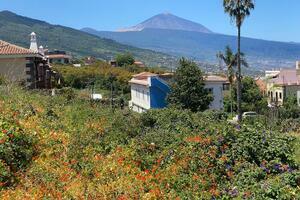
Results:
<point x="230" y="60"/>
<point x="238" y="10"/>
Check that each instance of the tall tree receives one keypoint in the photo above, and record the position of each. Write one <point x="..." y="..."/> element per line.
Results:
<point x="230" y="60"/>
<point x="238" y="10"/>
<point x="187" y="90"/>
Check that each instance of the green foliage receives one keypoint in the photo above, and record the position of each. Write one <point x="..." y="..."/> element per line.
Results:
<point x="16" y="150"/>
<point x="124" y="59"/>
<point x="87" y="150"/>
<point x="2" y="80"/>
<point x="252" y="98"/>
<point x="238" y="10"/>
<point x="99" y="76"/>
<point x="188" y="90"/>
<point x="290" y="108"/>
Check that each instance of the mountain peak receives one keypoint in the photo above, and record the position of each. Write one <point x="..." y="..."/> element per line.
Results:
<point x="168" y="21"/>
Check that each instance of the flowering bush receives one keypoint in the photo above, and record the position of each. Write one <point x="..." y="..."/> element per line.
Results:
<point x="87" y="151"/>
<point x="16" y="150"/>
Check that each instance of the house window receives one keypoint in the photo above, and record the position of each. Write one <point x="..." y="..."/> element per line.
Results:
<point x="143" y="95"/>
<point x="280" y="95"/>
<point x="211" y="90"/>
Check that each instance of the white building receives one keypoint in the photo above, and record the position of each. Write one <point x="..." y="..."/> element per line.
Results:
<point x="149" y="91"/>
<point x="283" y="85"/>
<point x="216" y="85"/>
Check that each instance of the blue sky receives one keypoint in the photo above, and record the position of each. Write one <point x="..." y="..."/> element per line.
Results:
<point x="271" y="20"/>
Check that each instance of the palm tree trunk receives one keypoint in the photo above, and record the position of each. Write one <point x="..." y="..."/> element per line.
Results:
<point x="231" y="100"/>
<point x="239" y="81"/>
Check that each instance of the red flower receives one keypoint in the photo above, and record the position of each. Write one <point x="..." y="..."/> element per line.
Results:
<point x="122" y="197"/>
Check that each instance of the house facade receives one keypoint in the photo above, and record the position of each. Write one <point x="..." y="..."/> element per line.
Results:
<point x="26" y="66"/>
<point x="58" y="57"/>
<point x="216" y="86"/>
<point x="22" y="65"/>
<point x="148" y="91"/>
<point x="283" y="85"/>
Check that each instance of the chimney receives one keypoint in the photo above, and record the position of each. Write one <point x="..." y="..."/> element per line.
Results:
<point x="41" y="50"/>
<point x="33" y="43"/>
<point x="298" y="68"/>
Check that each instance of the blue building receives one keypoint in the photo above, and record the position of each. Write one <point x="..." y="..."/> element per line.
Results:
<point x="148" y="91"/>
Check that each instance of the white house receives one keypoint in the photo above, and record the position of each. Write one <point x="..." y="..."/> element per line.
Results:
<point x="216" y="85"/>
<point x="148" y="91"/>
<point x="283" y="85"/>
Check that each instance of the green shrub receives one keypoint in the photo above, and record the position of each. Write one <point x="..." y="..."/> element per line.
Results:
<point x="17" y="149"/>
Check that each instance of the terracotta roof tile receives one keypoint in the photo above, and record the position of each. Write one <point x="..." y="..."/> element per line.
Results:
<point x="11" y="49"/>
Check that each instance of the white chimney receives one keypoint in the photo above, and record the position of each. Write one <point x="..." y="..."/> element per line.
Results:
<point x="41" y="50"/>
<point x="298" y="65"/>
<point x="33" y="42"/>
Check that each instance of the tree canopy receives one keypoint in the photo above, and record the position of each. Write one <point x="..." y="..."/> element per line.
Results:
<point x="124" y="59"/>
<point x="252" y="98"/>
<point x="187" y="90"/>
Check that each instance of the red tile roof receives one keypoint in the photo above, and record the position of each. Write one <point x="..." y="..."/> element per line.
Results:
<point x="144" y="75"/>
<point x="11" y="49"/>
<point x="261" y="84"/>
<point x="142" y="78"/>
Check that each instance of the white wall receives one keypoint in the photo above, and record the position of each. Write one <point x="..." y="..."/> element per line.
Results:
<point x="217" y="88"/>
<point x="140" y="98"/>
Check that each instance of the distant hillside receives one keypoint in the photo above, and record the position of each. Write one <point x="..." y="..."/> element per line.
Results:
<point x="16" y="29"/>
<point x="170" y="22"/>
<point x="204" y="46"/>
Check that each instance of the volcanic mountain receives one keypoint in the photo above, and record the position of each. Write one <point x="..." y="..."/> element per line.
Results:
<point x="179" y="37"/>
<point x="170" y="22"/>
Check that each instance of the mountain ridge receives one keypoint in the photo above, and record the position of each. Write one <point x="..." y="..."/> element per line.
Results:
<point x="202" y="46"/>
<point x="167" y="21"/>
<point x="16" y="29"/>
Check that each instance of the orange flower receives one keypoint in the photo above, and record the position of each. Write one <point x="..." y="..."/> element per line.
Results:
<point x="121" y="160"/>
<point x="194" y="139"/>
<point x="122" y="197"/>
<point x="2" y="141"/>
<point x="195" y="177"/>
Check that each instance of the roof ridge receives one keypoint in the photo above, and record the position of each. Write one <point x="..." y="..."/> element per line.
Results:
<point x="23" y="50"/>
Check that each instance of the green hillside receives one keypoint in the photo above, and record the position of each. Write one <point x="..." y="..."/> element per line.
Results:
<point x="16" y="29"/>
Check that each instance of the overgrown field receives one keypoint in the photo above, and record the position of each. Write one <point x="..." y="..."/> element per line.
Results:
<point x="62" y="148"/>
